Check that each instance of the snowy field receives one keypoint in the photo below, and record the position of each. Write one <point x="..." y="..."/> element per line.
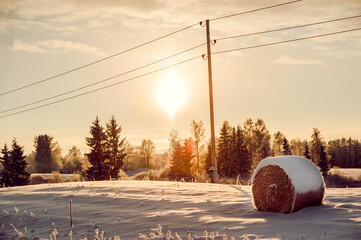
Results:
<point x="127" y="208"/>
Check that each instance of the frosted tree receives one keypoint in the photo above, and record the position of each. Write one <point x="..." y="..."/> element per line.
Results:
<point x="147" y="149"/>
<point x="197" y="130"/>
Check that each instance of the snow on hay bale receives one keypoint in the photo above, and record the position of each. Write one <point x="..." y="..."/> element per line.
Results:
<point x="287" y="184"/>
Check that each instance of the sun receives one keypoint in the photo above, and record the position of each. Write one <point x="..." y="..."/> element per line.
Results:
<point x="171" y="93"/>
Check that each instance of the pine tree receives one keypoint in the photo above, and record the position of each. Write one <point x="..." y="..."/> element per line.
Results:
<point x="98" y="169"/>
<point x="286" y="147"/>
<point x="306" y="153"/>
<point x="323" y="164"/>
<point x="115" y="146"/>
<point x="224" y="151"/>
<point x="20" y="175"/>
<point x="6" y="176"/>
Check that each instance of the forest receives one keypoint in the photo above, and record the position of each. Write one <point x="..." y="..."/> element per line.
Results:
<point x="238" y="151"/>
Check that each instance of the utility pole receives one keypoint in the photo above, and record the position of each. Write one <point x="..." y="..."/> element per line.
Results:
<point x="214" y="175"/>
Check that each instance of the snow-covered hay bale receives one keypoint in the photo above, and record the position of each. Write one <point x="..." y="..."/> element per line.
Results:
<point x="286" y="184"/>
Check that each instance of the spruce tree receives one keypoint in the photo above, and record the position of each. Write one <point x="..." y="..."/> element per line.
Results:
<point x="182" y="160"/>
<point x="323" y="164"/>
<point x="316" y="145"/>
<point x="208" y="161"/>
<point x="43" y="156"/>
<point x="286" y="147"/>
<point x="233" y="162"/>
<point x="14" y="173"/>
<point x="306" y="153"/>
<point x="98" y="169"/>
<point x="242" y="156"/>
<point x="224" y="151"/>
<point x="6" y="176"/>
<point x="20" y="175"/>
<point x="115" y="148"/>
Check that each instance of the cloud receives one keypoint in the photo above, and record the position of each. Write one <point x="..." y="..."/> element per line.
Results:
<point x="42" y="46"/>
<point x="294" y="61"/>
<point x="27" y="47"/>
<point x="70" y="46"/>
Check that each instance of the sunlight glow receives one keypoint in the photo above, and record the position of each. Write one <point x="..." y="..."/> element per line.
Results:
<point x="171" y="93"/>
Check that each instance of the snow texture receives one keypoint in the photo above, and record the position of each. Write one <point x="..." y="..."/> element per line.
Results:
<point x="127" y="208"/>
<point x="305" y="175"/>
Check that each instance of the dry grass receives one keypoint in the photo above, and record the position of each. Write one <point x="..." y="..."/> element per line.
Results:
<point x="38" y="180"/>
<point x="55" y="177"/>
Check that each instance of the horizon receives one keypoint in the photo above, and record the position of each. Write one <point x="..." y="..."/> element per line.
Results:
<point x="293" y="87"/>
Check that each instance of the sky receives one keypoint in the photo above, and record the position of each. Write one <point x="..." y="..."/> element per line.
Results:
<point x="293" y="87"/>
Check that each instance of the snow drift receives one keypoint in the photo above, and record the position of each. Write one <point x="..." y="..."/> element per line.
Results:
<point x="287" y="184"/>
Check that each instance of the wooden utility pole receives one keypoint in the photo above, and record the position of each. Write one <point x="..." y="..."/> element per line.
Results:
<point x="214" y="175"/>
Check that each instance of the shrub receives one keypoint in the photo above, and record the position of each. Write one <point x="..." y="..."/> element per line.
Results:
<point x="122" y="175"/>
<point x="73" y="178"/>
<point x="202" y="177"/>
<point x="153" y="175"/>
<point x="231" y="181"/>
<point x="55" y="177"/>
<point x="38" y="179"/>
<point x="336" y="179"/>
<point x="141" y="176"/>
<point x="163" y="175"/>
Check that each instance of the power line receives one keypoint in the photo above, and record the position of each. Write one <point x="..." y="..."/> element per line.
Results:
<point x="97" y="61"/>
<point x="104" y="80"/>
<point x="288" y="28"/>
<point x="98" y="89"/>
<point x="286" y="41"/>
<point x="255" y="10"/>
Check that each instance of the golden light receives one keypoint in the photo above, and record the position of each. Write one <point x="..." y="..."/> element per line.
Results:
<point x="171" y="93"/>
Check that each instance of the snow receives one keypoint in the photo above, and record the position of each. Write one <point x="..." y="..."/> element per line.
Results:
<point x="305" y="175"/>
<point x="127" y="208"/>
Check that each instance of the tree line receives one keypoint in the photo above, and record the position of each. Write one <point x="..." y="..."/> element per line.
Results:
<point x="239" y="149"/>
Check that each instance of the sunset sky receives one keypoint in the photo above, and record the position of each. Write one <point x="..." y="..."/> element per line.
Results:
<point x="293" y="87"/>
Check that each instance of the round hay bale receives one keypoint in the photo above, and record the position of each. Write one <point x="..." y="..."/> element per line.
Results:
<point x="287" y="184"/>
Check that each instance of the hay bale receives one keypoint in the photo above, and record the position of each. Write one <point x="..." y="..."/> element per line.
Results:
<point x="287" y="184"/>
